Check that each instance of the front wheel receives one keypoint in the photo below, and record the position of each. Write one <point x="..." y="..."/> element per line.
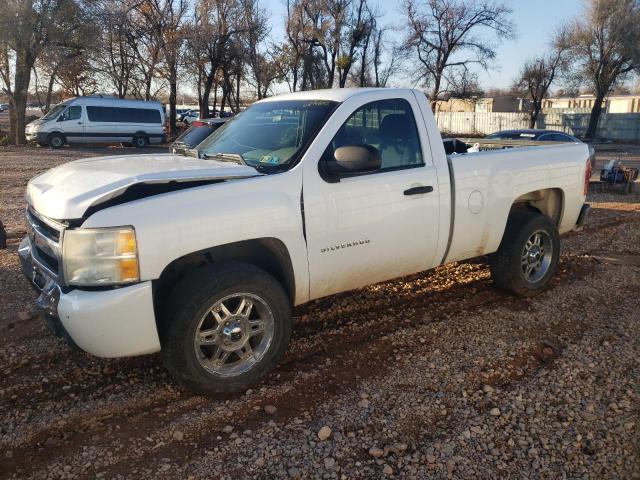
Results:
<point x="55" y="141"/>
<point x="528" y="254"/>
<point x="226" y="327"/>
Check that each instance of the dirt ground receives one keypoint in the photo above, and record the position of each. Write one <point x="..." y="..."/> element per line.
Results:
<point x="436" y="375"/>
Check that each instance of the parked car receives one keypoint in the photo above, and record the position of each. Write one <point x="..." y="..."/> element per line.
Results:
<point x="190" y="116"/>
<point x="180" y="115"/>
<point x="539" y="135"/>
<point x="1" y="108"/>
<point x="533" y="135"/>
<point x="204" y="258"/>
<point x="98" y="119"/>
<point x="195" y="134"/>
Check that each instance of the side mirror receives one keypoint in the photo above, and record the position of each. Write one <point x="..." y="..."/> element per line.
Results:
<point x="354" y="159"/>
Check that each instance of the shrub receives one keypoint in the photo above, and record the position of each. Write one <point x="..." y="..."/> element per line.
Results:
<point x="5" y="140"/>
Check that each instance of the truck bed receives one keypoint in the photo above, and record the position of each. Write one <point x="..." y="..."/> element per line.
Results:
<point x="486" y="184"/>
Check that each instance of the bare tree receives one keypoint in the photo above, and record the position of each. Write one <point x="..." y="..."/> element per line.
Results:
<point x="166" y="23"/>
<point x="538" y="73"/>
<point x="382" y="75"/>
<point x="605" y="49"/>
<point x="215" y="25"/>
<point x="27" y="29"/>
<point x="324" y="40"/>
<point x="261" y="61"/>
<point x="116" y="58"/>
<point x="359" y="21"/>
<point x="448" y="36"/>
<point x="146" y="46"/>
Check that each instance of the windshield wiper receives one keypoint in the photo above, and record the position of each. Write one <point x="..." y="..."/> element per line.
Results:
<point x="226" y="157"/>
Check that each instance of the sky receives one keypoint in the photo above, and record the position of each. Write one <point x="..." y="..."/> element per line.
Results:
<point x="535" y="22"/>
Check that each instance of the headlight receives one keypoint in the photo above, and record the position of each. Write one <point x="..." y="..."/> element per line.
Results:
<point x="100" y="256"/>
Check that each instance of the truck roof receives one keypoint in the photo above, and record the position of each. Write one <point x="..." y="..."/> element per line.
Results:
<point x="331" y="94"/>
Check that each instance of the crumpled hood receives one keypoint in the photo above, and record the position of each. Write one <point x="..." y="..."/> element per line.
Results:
<point x="67" y="191"/>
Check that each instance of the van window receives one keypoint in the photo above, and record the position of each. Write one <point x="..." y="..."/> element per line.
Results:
<point x="72" y="113"/>
<point x="123" y="115"/>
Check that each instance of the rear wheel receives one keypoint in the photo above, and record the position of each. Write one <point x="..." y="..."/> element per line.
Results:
<point x="226" y="328"/>
<point x="528" y="254"/>
<point x="56" y="140"/>
<point x="139" y="141"/>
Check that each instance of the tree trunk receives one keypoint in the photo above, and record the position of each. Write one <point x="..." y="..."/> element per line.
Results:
<point x="238" y="91"/>
<point x="592" y="130"/>
<point x="209" y="82"/>
<point x="533" y="117"/>
<point x="224" y="96"/>
<point x="436" y="92"/>
<point x="173" y="95"/>
<point x="215" y="95"/>
<point x="204" y="101"/>
<point x="147" y="89"/>
<point x="52" y="79"/>
<point x="19" y="100"/>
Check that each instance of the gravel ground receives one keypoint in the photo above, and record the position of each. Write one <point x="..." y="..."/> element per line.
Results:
<point x="435" y="375"/>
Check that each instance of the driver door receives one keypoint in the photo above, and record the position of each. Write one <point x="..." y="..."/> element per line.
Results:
<point x="71" y="122"/>
<point x="367" y="228"/>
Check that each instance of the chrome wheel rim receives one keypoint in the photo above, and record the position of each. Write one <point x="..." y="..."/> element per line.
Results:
<point x="536" y="256"/>
<point x="56" y="142"/>
<point x="234" y="334"/>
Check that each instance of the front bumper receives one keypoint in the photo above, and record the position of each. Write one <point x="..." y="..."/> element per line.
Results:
<point x="39" y="137"/>
<point x="107" y="323"/>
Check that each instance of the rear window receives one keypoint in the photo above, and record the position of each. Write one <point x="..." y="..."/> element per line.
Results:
<point x="123" y="115"/>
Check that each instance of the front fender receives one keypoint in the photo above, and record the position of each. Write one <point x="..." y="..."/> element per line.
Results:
<point x="172" y="225"/>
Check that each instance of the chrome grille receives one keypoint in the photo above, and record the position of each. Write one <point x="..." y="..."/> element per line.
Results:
<point x="45" y="236"/>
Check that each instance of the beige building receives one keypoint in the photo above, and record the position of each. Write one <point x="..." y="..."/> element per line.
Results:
<point x="456" y="105"/>
<point x="612" y="104"/>
<point x="502" y="104"/>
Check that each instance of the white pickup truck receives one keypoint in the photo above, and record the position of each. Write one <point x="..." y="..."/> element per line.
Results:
<point x="301" y="196"/>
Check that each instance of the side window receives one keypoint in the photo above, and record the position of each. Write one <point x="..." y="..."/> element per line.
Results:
<point x="72" y="113"/>
<point x="100" y="114"/>
<point x="558" y="137"/>
<point x="387" y="125"/>
<point x="124" y="115"/>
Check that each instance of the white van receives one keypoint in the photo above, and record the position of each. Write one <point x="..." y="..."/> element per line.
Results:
<point x="99" y="119"/>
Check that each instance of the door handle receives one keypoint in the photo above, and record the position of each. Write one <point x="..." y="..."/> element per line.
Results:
<point x="79" y="123"/>
<point x="419" y="190"/>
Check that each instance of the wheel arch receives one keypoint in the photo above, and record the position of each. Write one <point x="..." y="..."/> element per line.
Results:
<point x="270" y="254"/>
<point x="56" y="132"/>
<point x="548" y="201"/>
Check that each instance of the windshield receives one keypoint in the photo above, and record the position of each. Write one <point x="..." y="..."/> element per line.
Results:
<point x="55" y="111"/>
<point x="268" y="136"/>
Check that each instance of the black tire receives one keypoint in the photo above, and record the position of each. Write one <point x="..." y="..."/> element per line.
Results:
<point x="193" y="298"/>
<point x="139" y="141"/>
<point x="56" y="140"/>
<point x="507" y="264"/>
